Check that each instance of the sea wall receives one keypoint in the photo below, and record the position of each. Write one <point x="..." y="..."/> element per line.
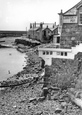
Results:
<point x="27" y="42"/>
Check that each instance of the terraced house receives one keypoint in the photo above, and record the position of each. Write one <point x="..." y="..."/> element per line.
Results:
<point x="42" y="31"/>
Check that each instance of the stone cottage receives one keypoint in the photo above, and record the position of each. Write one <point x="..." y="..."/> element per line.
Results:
<point x="42" y="31"/>
<point x="71" y="25"/>
<point x="68" y="41"/>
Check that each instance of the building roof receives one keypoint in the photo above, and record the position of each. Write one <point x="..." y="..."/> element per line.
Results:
<point x="52" y="29"/>
<point x="52" y="45"/>
<point x="46" y="28"/>
<point x="75" y="6"/>
<point x="59" y="49"/>
<point x="34" y="29"/>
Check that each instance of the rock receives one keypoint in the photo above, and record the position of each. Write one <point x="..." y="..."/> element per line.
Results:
<point x="55" y="88"/>
<point x="32" y="99"/>
<point x="63" y="104"/>
<point x="3" y="104"/>
<point x="41" y="98"/>
<point x="38" y="113"/>
<point x="58" y="110"/>
<point x="20" y="107"/>
<point x="14" y="106"/>
<point x="55" y="96"/>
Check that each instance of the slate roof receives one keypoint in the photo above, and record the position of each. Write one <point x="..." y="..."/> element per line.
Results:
<point x="75" y="6"/>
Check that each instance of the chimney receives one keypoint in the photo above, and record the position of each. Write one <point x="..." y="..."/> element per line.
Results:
<point x="35" y="24"/>
<point x="61" y="11"/>
<point x="41" y="25"/>
<point x="55" y="24"/>
<point x="47" y="26"/>
<point x="61" y="18"/>
<point x="30" y="25"/>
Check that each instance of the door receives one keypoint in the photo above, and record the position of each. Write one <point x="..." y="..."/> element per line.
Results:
<point x="58" y="39"/>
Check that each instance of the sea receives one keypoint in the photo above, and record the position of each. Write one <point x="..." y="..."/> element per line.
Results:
<point x="11" y="62"/>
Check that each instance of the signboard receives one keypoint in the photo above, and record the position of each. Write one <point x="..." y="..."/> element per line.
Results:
<point x="70" y="19"/>
<point x="71" y="12"/>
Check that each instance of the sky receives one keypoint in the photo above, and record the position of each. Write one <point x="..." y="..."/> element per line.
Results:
<point x="18" y="14"/>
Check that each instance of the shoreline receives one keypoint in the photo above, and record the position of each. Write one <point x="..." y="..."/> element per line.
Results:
<point x="27" y="99"/>
<point x="23" y="76"/>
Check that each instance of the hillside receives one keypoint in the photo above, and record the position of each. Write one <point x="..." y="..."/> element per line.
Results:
<point x="62" y="78"/>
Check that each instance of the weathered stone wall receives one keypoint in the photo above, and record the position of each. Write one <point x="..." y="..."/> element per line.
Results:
<point x="71" y="33"/>
<point x="64" y="73"/>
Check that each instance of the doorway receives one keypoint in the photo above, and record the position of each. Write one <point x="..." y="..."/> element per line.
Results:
<point x="58" y="39"/>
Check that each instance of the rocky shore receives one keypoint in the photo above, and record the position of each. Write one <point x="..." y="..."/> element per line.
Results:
<point x="63" y="78"/>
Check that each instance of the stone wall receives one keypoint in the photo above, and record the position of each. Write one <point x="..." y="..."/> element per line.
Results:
<point x="71" y="34"/>
<point x="64" y="73"/>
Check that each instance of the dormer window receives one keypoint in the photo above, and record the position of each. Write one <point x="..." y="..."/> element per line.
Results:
<point x="80" y="18"/>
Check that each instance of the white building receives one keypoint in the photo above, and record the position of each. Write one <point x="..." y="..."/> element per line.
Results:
<point x="53" y="51"/>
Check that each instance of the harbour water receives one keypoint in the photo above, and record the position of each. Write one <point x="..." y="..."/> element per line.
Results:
<point x="11" y="62"/>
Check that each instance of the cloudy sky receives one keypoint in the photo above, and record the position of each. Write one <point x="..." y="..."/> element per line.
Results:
<point x="17" y="14"/>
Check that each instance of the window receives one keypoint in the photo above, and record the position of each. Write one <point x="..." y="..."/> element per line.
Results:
<point x="43" y="53"/>
<point x="80" y="18"/>
<point x="44" y="32"/>
<point x="61" y="53"/>
<point x="65" y="53"/>
<point x="58" y="39"/>
<point x="58" y="53"/>
<point x="50" y="52"/>
<point x="47" y="52"/>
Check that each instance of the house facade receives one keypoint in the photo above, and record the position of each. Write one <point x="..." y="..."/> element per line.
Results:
<point x="34" y="32"/>
<point x="51" y="51"/>
<point x="46" y="34"/>
<point x="68" y="40"/>
<point x="57" y="35"/>
<point x="42" y="31"/>
<point x="71" y="24"/>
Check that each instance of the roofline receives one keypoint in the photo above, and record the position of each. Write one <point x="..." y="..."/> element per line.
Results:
<point x="73" y="7"/>
<point x="54" y="49"/>
<point x="46" y="28"/>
